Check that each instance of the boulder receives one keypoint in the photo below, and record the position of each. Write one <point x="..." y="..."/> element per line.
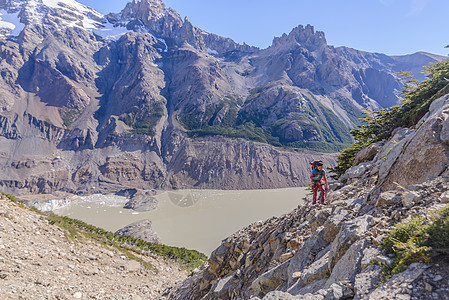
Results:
<point x="387" y="199"/>
<point x="335" y="292"/>
<point x="318" y="270"/>
<point x="272" y="279"/>
<point x="349" y="265"/>
<point x="422" y="157"/>
<point x="306" y="255"/>
<point x="311" y="288"/>
<point x="369" y="255"/>
<point x="357" y="171"/>
<point x="391" y="151"/>
<point x="350" y="232"/>
<point x="223" y="287"/>
<point x="141" y="230"/>
<point x="368" y="153"/>
<point x="277" y="295"/>
<point x="332" y="226"/>
<point x="409" y="199"/>
<point x="319" y="218"/>
<point x="445" y="197"/>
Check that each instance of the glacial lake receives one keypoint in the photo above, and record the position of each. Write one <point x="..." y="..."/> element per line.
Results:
<point x="193" y="219"/>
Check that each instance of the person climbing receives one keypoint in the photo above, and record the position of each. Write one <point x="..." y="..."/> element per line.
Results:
<point x="316" y="176"/>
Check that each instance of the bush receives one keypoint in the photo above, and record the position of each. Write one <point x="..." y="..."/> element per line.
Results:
<point x="406" y="243"/>
<point x="413" y="241"/>
<point x="439" y="230"/>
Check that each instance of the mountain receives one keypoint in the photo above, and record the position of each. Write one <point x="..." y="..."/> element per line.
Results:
<point x="144" y="99"/>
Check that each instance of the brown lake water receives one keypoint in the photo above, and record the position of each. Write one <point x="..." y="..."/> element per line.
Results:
<point x="194" y="219"/>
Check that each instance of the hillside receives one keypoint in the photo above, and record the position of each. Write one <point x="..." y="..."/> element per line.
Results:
<point x="94" y="103"/>
<point x="384" y="234"/>
<point x="43" y="257"/>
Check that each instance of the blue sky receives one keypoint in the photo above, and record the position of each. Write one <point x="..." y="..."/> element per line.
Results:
<point x="392" y="27"/>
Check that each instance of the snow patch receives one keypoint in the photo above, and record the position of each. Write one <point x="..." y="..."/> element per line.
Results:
<point x="212" y="51"/>
<point x="11" y="21"/>
<point x="110" y="32"/>
<point x="163" y="42"/>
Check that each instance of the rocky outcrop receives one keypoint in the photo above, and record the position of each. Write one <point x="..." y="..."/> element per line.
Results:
<point x="326" y="252"/>
<point x="140" y="230"/>
<point x="141" y="200"/>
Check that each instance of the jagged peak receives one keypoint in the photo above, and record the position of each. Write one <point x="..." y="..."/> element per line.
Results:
<point x="304" y="36"/>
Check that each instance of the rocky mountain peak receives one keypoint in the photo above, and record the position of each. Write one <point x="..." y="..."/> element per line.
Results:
<point x="145" y="10"/>
<point x="304" y="36"/>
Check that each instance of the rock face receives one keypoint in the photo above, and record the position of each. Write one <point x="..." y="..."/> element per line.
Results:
<point x="326" y="252"/>
<point x="94" y="103"/>
<point x="141" y="230"/>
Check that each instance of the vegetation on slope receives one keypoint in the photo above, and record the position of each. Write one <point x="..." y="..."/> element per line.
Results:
<point x="79" y="230"/>
<point x="379" y="125"/>
<point x="416" y="240"/>
<point x="333" y="135"/>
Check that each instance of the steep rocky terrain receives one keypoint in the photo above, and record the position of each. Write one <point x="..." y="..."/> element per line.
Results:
<point x="42" y="261"/>
<point x="94" y="103"/>
<point x="333" y="251"/>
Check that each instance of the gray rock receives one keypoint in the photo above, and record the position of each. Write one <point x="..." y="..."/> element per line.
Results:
<point x="387" y="199"/>
<point x="318" y="270"/>
<point x="311" y="288"/>
<point x="445" y="197"/>
<point x="319" y="218"/>
<point x="409" y="199"/>
<point x="335" y="292"/>
<point x="368" y="153"/>
<point x="350" y="232"/>
<point x="278" y="296"/>
<point x="369" y="255"/>
<point x="141" y="230"/>
<point x="304" y="256"/>
<point x="286" y="296"/>
<point x="366" y="281"/>
<point x="332" y="226"/>
<point x="272" y="279"/>
<point x="384" y="260"/>
<point x="357" y="171"/>
<point x="222" y="286"/>
<point x="398" y="282"/>
<point x="349" y="264"/>
<point x="142" y="201"/>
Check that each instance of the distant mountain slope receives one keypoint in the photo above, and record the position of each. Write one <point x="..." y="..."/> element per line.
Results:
<point x="91" y="102"/>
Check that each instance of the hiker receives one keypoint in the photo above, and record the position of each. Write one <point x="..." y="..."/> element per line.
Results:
<point x="316" y="176"/>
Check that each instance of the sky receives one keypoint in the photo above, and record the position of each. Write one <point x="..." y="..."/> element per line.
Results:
<point x="392" y="27"/>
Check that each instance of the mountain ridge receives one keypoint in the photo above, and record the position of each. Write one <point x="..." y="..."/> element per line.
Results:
<point x="146" y="84"/>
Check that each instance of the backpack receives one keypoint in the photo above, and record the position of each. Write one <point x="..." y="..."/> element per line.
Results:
<point x="314" y="170"/>
<point x="315" y="164"/>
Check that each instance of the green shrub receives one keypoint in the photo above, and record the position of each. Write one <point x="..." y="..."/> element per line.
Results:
<point x="413" y="241"/>
<point x="406" y="244"/>
<point x="438" y="231"/>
